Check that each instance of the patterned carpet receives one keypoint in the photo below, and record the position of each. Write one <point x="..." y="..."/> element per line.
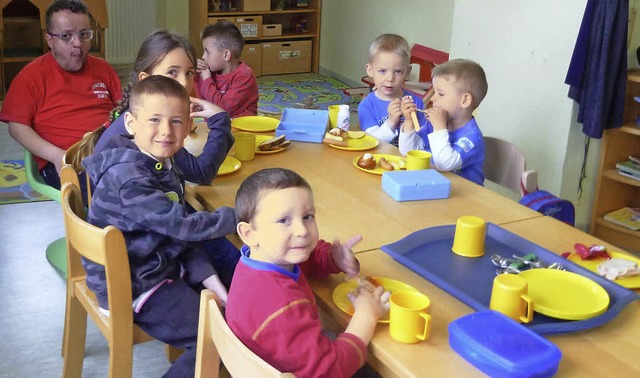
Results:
<point x="13" y="184"/>
<point x="296" y="91"/>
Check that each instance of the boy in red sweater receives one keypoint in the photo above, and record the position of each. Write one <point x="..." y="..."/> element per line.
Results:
<point x="223" y="79"/>
<point x="271" y="306"/>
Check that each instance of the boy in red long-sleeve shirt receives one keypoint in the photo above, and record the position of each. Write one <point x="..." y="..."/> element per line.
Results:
<point x="223" y="78"/>
<point x="271" y="306"/>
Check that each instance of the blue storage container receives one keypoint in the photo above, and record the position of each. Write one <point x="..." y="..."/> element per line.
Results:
<point x="303" y="125"/>
<point x="500" y="347"/>
<point x="416" y="185"/>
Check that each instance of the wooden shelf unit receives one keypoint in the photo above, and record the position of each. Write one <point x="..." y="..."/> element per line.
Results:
<point x="614" y="191"/>
<point x="200" y="15"/>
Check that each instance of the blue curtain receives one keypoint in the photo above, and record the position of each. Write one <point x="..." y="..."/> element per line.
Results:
<point x="598" y="70"/>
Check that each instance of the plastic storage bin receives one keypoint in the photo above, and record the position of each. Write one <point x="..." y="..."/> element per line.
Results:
<point x="500" y="347"/>
<point x="416" y="185"/>
<point x="303" y="125"/>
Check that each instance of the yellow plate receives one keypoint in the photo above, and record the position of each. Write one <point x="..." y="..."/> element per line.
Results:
<point x="262" y="138"/>
<point x="565" y="295"/>
<point x="229" y="165"/>
<point x="367" y="142"/>
<point x="342" y="301"/>
<point x="377" y="170"/>
<point x="631" y="282"/>
<point x="257" y="124"/>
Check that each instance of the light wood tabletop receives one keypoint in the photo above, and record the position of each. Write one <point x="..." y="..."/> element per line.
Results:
<point x="598" y="352"/>
<point x="349" y="201"/>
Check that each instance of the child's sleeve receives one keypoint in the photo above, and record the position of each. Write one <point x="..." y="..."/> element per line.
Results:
<point x="149" y="208"/>
<point x="241" y="91"/>
<point x="320" y="264"/>
<point x="295" y="341"/>
<point x="202" y="169"/>
<point x="444" y="156"/>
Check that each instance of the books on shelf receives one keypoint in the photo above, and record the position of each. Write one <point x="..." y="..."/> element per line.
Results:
<point x="628" y="217"/>
<point x="630" y="168"/>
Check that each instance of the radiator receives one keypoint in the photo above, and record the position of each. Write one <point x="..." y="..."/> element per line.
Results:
<point x="129" y="23"/>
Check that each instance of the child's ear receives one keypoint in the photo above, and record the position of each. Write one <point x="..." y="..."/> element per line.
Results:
<point x="467" y="100"/>
<point x="246" y="234"/>
<point x="128" y="122"/>
<point x="369" y="69"/>
<point x="227" y="55"/>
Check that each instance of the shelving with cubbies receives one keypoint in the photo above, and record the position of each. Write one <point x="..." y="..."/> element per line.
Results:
<point x="296" y="39"/>
<point x="614" y="191"/>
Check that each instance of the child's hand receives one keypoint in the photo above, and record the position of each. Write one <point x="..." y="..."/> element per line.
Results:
<point x="203" y="108"/>
<point x="407" y="107"/>
<point x="438" y="118"/>
<point x="203" y="69"/>
<point x="374" y="301"/>
<point x="369" y="307"/>
<point x="343" y="257"/>
<point x="213" y="283"/>
<point x="394" y="112"/>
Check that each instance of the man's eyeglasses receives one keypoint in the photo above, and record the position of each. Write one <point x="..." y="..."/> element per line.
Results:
<point x="85" y="35"/>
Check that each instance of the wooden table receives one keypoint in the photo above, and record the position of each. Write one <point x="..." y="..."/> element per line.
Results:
<point x="349" y="201"/>
<point x="609" y="350"/>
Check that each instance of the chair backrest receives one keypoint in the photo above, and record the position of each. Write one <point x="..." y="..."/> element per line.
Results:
<point x="35" y="180"/>
<point x="107" y="247"/>
<point x="80" y="150"/>
<point x="217" y="341"/>
<point x="504" y="164"/>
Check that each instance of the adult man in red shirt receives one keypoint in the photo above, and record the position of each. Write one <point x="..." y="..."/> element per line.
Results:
<point x="63" y="94"/>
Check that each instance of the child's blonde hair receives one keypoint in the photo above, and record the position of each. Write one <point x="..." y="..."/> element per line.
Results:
<point x="392" y="43"/>
<point x="469" y="77"/>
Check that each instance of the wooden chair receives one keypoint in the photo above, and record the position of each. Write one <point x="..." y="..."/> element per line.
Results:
<point x="107" y="247"/>
<point x="505" y="165"/>
<point x="216" y="341"/>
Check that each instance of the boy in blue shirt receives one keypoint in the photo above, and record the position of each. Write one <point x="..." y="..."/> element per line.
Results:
<point x="379" y="113"/>
<point x="451" y="132"/>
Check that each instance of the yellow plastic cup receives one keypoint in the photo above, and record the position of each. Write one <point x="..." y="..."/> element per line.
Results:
<point x="469" y="237"/>
<point x="409" y="321"/>
<point x="418" y="159"/>
<point x="509" y="296"/>
<point x="333" y="115"/>
<point x="244" y="146"/>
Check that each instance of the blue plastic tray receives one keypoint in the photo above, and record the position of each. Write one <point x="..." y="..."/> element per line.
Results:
<point x="428" y="253"/>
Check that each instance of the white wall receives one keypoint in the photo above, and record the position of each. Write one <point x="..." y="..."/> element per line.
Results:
<point x="349" y="27"/>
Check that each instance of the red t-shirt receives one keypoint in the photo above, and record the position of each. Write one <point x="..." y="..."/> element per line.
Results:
<point x="235" y="92"/>
<point x="62" y="106"/>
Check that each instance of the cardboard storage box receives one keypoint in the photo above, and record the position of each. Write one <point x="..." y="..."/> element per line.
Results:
<point x="256" y="5"/>
<point x="303" y="125"/>
<point x="269" y="30"/>
<point x="416" y="185"/>
<point x="252" y="55"/>
<point x="250" y="27"/>
<point x="286" y="57"/>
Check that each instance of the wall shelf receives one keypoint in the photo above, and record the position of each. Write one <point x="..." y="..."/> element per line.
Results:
<point x="614" y="191"/>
